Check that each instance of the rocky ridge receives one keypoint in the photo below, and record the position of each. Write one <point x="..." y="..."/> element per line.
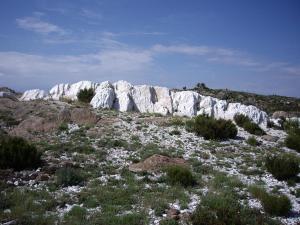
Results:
<point x="124" y="97"/>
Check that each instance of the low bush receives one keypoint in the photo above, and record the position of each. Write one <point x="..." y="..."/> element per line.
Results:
<point x="252" y="141"/>
<point x="168" y="222"/>
<point x="210" y="128"/>
<point x="251" y="127"/>
<point x="273" y="204"/>
<point x="68" y="176"/>
<point x="293" y="141"/>
<point x="283" y="167"/>
<point x="76" y="216"/>
<point x="18" y="154"/>
<point x="86" y="95"/>
<point x="180" y="175"/>
<point x="224" y="209"/>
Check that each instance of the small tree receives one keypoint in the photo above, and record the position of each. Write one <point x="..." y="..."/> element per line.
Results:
<point x="86" y="95"/>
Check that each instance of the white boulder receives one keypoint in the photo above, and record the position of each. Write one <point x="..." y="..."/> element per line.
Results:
<point x="212" y="107"/>
<point x="33" y="94"/>
<point x="74" y="89"/>
<point x="123" y="101"/>
<point x="144" y="98"/>
<point x="104" y="97"/>
<point x="163" y="101"/>
<point x="185" y="103"/>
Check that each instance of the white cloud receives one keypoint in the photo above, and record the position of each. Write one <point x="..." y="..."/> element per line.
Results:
<point x="37" y="25"/>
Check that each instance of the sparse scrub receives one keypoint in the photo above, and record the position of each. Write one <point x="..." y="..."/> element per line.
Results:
<point x="86" y="95"/>
<point x="17" y="153"/>
<point x="293" y="141"/>
<point x="180" y="175"/>
<point x="63" y="127"/>
<point x="283" y="167"/>
<point x="176" y="121"/>
<point x="168" y="222"/>
<point x="224" y="209"/>
<point x="251" y="127"/>
<point x="211" y="128"/>
<point x="252" y="141"/>
<point x="274" y="204"/>
<point x="68" y="176"/>
<point x="77" y="216"/>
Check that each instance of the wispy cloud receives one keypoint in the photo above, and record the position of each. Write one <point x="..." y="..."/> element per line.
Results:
<point x="39" y="26"/>
<point x="90" y="14"/>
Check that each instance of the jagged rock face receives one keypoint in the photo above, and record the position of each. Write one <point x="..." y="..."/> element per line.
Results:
<point x="185" y="103"/>
<point x="123" y="96"/>
<point x="70" y="91"/>
<point x="104" y="97"/>
<point x="256" y="115"/>
<point x="33" y="95"/>
<point x="58" y="91"/>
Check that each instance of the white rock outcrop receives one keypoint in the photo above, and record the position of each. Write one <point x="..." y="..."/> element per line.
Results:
<point x="33" y="94"/>
<point x="104" y="97"/>
<point x="123" y="101"/>
<point x="70" y="91"/>
<point x="124" y="97"/>
<point x="185" y="103"/>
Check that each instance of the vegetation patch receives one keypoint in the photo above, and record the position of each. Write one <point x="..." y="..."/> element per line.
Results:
<point x="18" y="154"/>
<point x="224" y="208"/>
<point x="274" y="204"/>
<point x="251" y="127"/>
<point x="283" y="166"/>
<point x="180" y="175"/>
<point x="252" y="141"/>
<point x="86" y="95"/>
<point x="210" y="128"/>
<point x="68" y="176"/>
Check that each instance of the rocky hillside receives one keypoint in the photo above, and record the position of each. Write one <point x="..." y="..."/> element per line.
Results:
<point x="138" y="155"/>
<point x="268" y="103"/>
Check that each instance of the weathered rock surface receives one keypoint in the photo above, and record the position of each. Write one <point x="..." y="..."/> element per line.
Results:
<point x="155" y="163"/>
<point x="125" y="97"/>
<point x="185" y="103"/>
<point x="33" y="95"/>
<point x="70" y="91"/>
<point x="104" y="97"/>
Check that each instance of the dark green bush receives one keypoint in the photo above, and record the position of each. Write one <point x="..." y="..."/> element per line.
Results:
<point x="17" y="153"/>
<point x="168" y="222"/>
<point x="225" y="209"/>
<point x="86" y="95"/>
<point x="211" y="128"/>
<point x="76" y="216"/>
<point x="293" y="141"/>
<point x="180" y="175"/>
<point x="274" y="204"/>
<point x="252" y="141"/>
<point x="251" y="127"/>
<point x="68" y="176"/>
<point x="283" y="167"/>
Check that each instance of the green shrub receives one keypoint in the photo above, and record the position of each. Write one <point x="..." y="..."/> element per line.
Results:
<point x="283" y="166"/>
<point x="274" y="204"/>
<point x="252" y="141"/>
<point x="77" y="216"/>
<point x="180" y="175"/>
<point x="17" y="153"/>
<point x="293" y="141"/>
<point x="68" y="176"/>
<point x="251" y="127"/>
<point x="168" y="222"/>
<point x="224" y="209"/>
<point x="211" y="128"/>
<point x="86" y="95"/>
<point x="63" y="127"/>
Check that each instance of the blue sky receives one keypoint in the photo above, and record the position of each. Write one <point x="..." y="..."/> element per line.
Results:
<point x="241" y="45"/>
